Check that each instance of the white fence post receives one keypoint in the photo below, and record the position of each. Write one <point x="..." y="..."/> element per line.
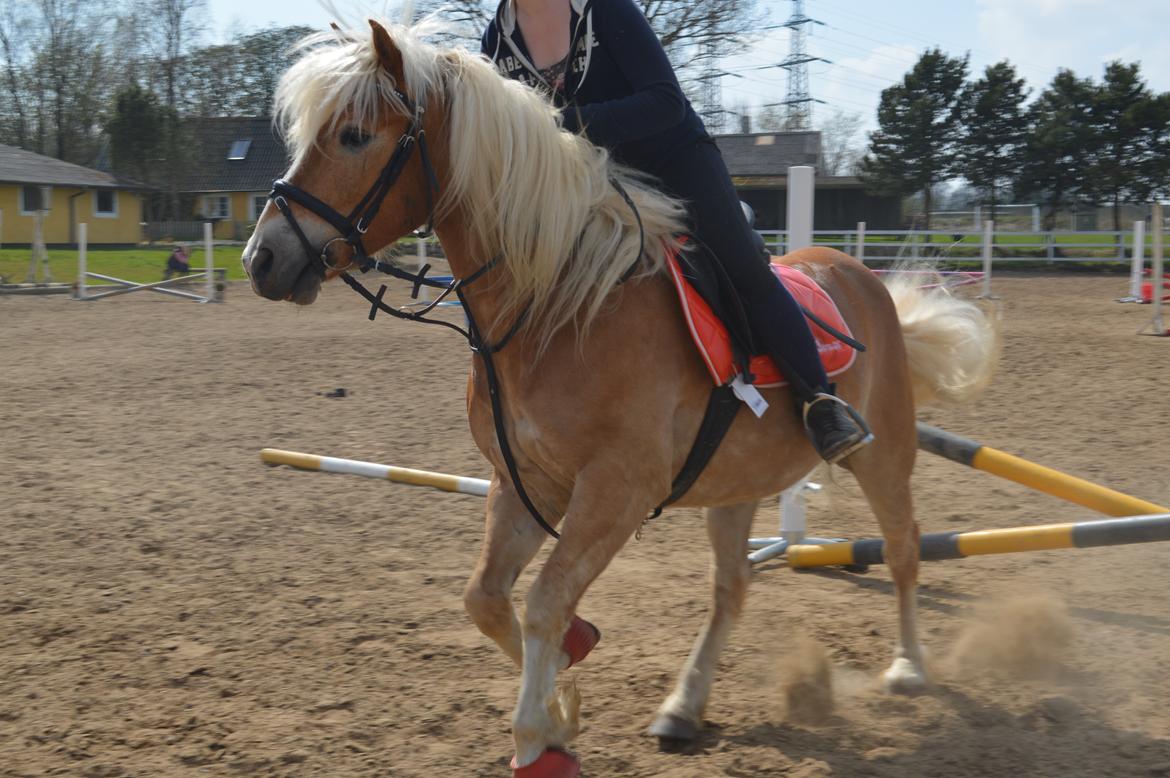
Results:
<point x="988" y="248"/>
<point x="1138" y="263"/>
<point x="861" y="242"/>
<point x="800" y="207"/>
<point x="209" y="258"/>
<point x="82" y="240"/>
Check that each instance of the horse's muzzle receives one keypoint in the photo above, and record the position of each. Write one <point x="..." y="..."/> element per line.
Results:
<point x="275" y="279"/>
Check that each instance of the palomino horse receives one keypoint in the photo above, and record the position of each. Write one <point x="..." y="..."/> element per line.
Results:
<point x="601" y="391"/>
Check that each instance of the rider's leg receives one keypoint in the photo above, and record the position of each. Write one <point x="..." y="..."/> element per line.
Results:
<point x="776" y="319"/>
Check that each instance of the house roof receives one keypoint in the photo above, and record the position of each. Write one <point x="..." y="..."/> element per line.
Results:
<point x="215" y="139"/>
<point x="769" y="153"/>
<point x="18" y="166"/>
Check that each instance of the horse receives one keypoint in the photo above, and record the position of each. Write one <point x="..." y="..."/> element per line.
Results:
<point x="585" y="391"/>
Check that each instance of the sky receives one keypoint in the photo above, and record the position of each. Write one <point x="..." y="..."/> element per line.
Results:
<point x="870" y="45"/>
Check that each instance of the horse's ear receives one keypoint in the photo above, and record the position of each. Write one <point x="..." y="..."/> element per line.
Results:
<point x="389" y="57"/>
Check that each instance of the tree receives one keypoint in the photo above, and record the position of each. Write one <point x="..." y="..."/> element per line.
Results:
<point x="177" y="22"/>
<point x="914" y="146"/>
<point x="993" y="130"/>
<point x="14" y="35"/>
<point x="137" y="131"/>
<point x="692" y="33"/>
<point x="66" y="77"/>
<point x="1124" y="120"/>
<point x="1156" y="169"/>
<point x="238" y="78"/>
<point x="841" y="153"/>
<point x="1053" y="165"/>
<point x="263" y="58"/>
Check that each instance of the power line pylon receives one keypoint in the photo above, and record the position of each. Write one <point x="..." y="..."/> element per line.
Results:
<point x="798" y="102"/>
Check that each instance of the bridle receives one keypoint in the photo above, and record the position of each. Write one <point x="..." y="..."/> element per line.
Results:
<point x="353" y="227"/>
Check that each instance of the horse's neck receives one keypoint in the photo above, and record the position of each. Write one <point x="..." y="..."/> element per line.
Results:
<point x="465" y="259"/>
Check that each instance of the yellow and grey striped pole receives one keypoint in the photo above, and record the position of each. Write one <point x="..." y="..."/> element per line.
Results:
<point x="956" y="545"/>
<point x="1142" y="522"/>
<point x="1034" y="476"/>
<point x="399" y="475"/>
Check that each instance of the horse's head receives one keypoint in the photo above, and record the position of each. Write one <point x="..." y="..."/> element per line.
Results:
<point x="354" y="114"/>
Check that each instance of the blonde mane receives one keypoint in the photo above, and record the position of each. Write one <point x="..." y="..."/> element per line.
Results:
<point x="537" y="195"/>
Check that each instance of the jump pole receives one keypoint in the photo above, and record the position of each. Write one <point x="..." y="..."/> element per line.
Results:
<point x="400" y="475"/>
<point x="1042" y="479"/>
<point x="957" y="545"/>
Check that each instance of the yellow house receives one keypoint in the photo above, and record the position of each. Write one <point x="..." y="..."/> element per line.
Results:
<point x="235" y="161"/>
<point x="65" y="195"/>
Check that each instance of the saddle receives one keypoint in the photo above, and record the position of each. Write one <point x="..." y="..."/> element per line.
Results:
<point x="720" y="330"/>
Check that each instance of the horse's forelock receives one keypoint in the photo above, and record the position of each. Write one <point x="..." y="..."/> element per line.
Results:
<point x="338" y="75"/>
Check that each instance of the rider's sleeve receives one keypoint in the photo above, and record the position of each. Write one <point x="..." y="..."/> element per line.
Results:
<point x="657" y="102"/>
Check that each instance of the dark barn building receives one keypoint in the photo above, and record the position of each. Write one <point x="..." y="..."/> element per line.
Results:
<point x="759" y="164"/>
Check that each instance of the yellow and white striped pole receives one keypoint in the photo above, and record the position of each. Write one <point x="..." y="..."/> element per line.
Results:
<point x="399" y="475"/>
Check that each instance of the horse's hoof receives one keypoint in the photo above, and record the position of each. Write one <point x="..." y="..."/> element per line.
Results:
<point x="904" y="677"/>
<point x="553" y="763"/>
<point x="580" y="638"/>
<point x="673" y="732"/>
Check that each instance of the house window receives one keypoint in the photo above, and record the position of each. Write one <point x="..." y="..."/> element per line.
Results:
<point x="239" y="149"/>
<point x="256" y="205"/>
<point x="33" y="199"/>
<point x="105" y="203"/>
<point x="217" y="207"/>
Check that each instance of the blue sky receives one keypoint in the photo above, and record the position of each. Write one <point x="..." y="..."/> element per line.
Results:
<point x="872" y="44"/>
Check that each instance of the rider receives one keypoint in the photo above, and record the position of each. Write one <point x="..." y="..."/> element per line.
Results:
<point x="603" y="65"/>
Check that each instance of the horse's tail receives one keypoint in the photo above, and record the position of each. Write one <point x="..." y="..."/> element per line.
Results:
<point x="952" y="344"/>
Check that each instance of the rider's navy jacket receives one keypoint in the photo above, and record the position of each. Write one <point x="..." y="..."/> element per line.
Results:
<point x="620" y="88"/>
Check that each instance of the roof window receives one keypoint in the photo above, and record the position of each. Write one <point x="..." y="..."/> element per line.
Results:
<point x="239" y="149"/>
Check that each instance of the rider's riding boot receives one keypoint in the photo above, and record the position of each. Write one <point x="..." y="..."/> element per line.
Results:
<point x="781" y="332"/>
<point x="835" y="429"/>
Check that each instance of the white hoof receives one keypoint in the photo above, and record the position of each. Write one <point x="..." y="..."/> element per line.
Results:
<point x="904" y="677"/>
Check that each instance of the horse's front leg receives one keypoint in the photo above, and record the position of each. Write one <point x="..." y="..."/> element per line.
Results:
<point x="511" y="539"/>
<point x="681" y="715"/>
<point x="607" y="505"/>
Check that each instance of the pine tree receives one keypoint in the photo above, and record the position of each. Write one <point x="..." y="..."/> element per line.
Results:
<point x="1054" y="165"/>
<point x="914" y="146"/>
<point x="993" y="131"/>
<point x="1124" y="122"/>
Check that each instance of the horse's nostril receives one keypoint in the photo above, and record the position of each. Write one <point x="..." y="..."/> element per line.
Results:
<point x="261" y="264"/>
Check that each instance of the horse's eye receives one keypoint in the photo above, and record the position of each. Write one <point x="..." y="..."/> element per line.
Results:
<point x="354" y="137"/>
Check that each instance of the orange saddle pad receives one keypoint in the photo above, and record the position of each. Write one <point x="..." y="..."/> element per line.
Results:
<point x="714" y="343"/>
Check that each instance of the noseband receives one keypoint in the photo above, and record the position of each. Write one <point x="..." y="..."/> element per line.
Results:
<point x="353" y="227"/>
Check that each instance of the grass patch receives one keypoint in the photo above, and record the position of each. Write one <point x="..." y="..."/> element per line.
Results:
<point x="140" y="265"/>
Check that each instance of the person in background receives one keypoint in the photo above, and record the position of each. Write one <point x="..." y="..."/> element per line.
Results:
<point x="601" y="63"/>
<point x="178" y="263"/>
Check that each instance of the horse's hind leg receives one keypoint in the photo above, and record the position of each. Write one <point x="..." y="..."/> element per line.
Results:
<point x="511" y="539"/>
<point x="883" y="470"/>
<point x="681" y="715"/>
